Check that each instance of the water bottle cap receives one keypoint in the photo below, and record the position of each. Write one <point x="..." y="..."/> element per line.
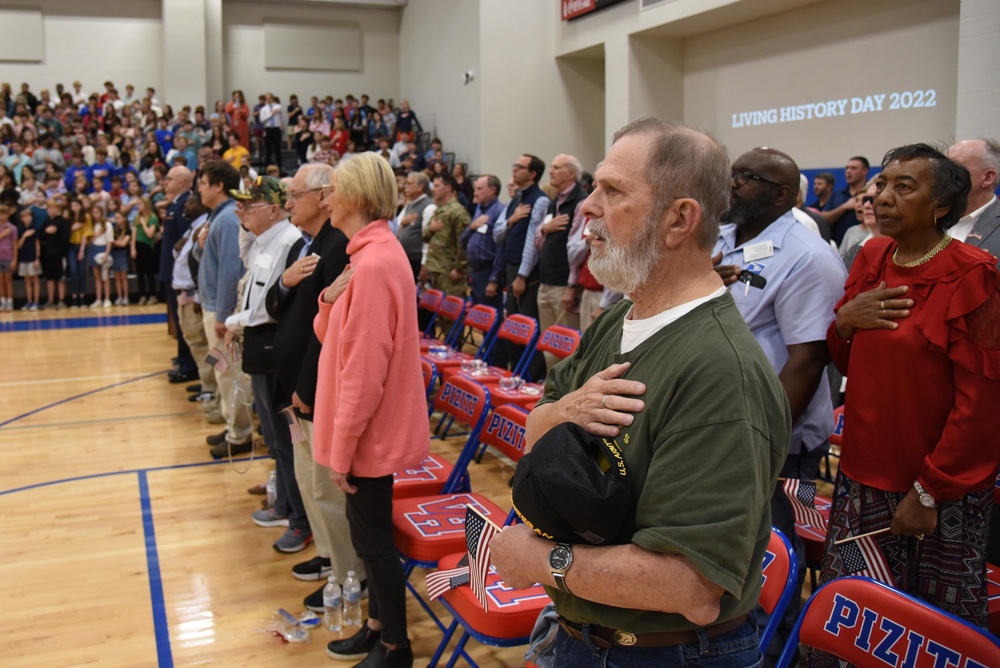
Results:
<point x="332" y="579"/>
<point x="350" y="574"/>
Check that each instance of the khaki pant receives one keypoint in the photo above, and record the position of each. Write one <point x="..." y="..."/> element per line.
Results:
<point x="193" y="330"/>
<point x="325" y="504"/>
<point x="590" y="300"/>
<point x="551" y="312"/>
<point x="236" y="406"/>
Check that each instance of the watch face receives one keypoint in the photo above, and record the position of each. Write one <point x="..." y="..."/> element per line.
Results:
<point x="560" y="558"/>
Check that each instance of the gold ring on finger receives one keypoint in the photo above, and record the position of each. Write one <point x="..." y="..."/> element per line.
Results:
<point x="604" y="401"/>
<point x="881" y="305"/>
<point x="919" y="536"/>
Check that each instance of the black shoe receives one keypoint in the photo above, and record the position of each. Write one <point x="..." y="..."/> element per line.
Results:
<point x="226" y="448"/>
<point x="383" y="657"/>
<point x="215" y="439"/>
<point x="177" y="377"/>
<point x="317" y="568"/>
<point x="356" y="647"/>
<point x="196" y="388"/>
<point x="314" y="602"/>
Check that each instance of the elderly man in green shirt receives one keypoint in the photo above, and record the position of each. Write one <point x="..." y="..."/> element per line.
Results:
<point x="673" y="375"/>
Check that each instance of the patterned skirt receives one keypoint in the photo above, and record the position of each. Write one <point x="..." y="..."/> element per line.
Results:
<point x="946" y="569"/>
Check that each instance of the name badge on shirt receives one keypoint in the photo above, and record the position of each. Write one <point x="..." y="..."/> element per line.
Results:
<point x="759" y="251"/>
<point x="263" y="261"/>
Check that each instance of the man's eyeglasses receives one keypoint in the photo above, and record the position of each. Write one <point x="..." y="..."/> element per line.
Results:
<point x="517" y="166"/>
<point x="741" y="178"/>
<point x="300" y="193"/>
<point x="868" y="199"/>
<point x="242" y="206"/>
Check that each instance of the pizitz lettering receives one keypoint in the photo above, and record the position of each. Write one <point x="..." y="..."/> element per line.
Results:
<point x="558" y="341"/>
<point x="892" y="643"/>
<point x="507" y="431"/>
<point x="460" y="399"/>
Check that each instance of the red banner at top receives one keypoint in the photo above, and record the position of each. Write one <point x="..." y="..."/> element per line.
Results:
<point x="572" y="9"/>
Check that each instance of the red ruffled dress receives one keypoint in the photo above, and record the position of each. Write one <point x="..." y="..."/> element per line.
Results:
<point x="921" y="405"/>
<point x="923" y="399"/>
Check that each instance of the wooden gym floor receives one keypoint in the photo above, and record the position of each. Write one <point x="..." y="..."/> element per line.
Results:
<point x="123" y="543"/>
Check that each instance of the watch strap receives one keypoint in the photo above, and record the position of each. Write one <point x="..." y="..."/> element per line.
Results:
<point x="560" y="579"/>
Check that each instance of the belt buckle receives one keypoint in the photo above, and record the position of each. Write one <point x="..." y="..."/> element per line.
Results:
<point x="625" y="639"/>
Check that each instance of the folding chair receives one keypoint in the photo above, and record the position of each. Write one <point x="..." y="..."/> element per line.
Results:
<point x="452" y="308"/>
<point x="431" y="377"/>
<point x="479" y="318"/>
<point x="869" y="624"/>
<point x="436" y="475"/>
<point x="558" y="340"/>
<point x="511" y="612"/>
<point x="781" y="572"/>
<point x="429" y="527"/>
<point x="993" y="597"/>
<point x="430" y="301"/>
<point x="521" y="330"/>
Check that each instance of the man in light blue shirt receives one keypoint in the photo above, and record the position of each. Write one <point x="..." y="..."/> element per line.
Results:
<point x="785" y="281"/>
<point x="218" y="276"/>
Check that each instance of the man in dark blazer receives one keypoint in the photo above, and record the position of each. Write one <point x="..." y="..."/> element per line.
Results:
<point x="980" y="226"/>
<point x="311" y="265"/>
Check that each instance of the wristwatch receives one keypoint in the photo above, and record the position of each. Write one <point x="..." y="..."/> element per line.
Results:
<point x="926" y="500"/>
<point x="560" y="559"/>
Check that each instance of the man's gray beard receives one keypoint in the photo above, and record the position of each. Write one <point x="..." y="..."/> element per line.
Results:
<point x="624" y="268"/>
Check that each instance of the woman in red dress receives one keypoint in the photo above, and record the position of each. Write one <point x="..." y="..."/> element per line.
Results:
<point x="918" y="335"/>
<point x="239" y="115"/>
<point x="340" y="136"/>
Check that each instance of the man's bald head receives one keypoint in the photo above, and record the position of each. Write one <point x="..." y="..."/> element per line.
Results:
<point x="982" y="158"/>
<point x="179" y="180"/>
<point x="765" y="186"/>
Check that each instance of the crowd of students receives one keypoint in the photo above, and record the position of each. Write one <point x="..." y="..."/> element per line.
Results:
<point x="82" y="177"/>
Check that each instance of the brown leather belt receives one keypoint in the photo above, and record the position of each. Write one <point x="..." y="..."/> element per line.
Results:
<point x="606" y="638"/>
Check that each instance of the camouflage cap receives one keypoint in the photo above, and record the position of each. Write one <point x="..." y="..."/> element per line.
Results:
<point x="264" y="189"/>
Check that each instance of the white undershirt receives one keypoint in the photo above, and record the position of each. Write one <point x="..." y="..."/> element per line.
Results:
<point x="634" y="332"/>
<point x="961" y="229"/>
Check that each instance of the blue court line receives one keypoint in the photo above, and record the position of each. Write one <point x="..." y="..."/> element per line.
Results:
<point x="86" y="422"/>
<point x="169" y="467"/>
<point x="80" y="323"/>
<point x="161" y="629"/>
<point x="79" y="396"/>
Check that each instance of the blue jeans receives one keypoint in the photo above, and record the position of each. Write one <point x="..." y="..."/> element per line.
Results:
<point x="77" y="271"/>
<point x="735" y="649"/>
<point x="275" y="428"/>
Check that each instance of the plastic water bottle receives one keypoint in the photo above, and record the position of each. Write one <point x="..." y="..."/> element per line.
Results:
<point x="333" y="611"/>
<point x="352" y="600"/>
<point x="272" y="489"/>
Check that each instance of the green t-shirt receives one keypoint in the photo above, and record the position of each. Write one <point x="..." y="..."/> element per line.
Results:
<point x="140" y="236"/>
<point x="704" y="454"/>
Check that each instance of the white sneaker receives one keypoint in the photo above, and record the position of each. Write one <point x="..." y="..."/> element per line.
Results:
<point x="96" y="304"/>
<point x="107" y="303"/>
<point x="141" y="302"/>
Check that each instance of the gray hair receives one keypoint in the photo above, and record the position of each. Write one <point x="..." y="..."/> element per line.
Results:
<point x="317" y="174"/>
<point x="492" y="182"/>
<point x="574" y="164"/>
<point x="685" y="162"/>
<point x="425" y="183"/>
<point x="991" y="153"/>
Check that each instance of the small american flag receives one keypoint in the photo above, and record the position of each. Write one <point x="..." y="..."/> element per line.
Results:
<point x="218" y="360"/>
<point x="802" y="495"/>
<point x="863" y="557"/>
<point x="440" y="582"/>
<point x="479" y="531"/>
<point x="184" y="299"/>
<point x="294" y="426"/>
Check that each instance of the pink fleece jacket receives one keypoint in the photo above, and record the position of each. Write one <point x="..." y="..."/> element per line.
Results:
<point x="370" y="412"/>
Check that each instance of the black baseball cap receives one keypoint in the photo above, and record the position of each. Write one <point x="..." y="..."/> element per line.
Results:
<point x="574" y="487"/>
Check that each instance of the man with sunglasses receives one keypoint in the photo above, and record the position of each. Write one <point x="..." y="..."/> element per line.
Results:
<point x="785" y="281"/>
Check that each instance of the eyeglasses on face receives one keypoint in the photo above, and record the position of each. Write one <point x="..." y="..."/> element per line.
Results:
<point x="741" y="178"/>
<point x="300" y="193"/>
<point x="868" y="199"/>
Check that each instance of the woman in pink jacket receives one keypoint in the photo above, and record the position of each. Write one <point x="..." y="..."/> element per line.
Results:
<point x="370" y="415"/>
